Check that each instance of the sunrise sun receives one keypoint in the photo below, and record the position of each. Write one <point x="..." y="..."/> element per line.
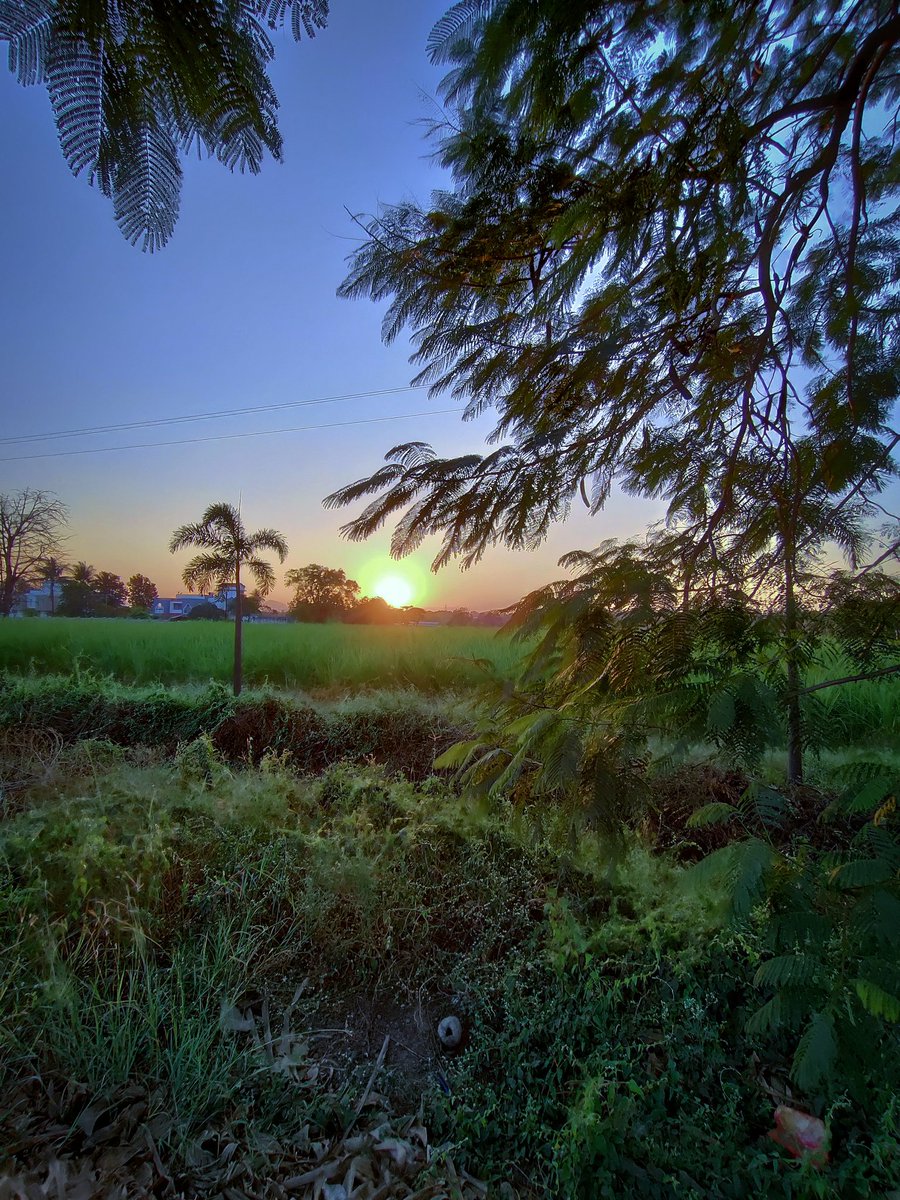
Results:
<point x="394" y="589"/>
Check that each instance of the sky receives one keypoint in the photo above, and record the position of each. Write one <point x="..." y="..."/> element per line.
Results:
<point x="239" y="311"/>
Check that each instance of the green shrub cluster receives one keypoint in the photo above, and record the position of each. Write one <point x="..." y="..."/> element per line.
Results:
<point x="402" y="730"/>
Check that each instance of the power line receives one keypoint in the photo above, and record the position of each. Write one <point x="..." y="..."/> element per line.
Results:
<point x="229" y="437"/>
<point x="213" y="416"/>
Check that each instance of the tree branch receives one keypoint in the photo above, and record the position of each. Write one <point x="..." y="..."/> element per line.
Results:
<point x="817" y="687"/>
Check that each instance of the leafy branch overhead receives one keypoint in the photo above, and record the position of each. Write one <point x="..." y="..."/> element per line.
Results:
<point x="667" y="262"/>
<point x="134" y="85"/>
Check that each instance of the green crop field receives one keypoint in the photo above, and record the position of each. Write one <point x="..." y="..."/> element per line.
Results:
<point x="348" y="658"/>
<point x="291" y="657"/>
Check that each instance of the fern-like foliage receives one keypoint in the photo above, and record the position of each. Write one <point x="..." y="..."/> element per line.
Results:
<point x="133" y="84"/>
<point x="147" y="187"/>
<point x="75" y="83"/>
<point x="832" y="928"/>
<point x="28" y="27"/>
<point x="615" y="657"/>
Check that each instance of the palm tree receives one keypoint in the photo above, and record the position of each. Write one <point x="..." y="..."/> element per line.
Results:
<point x="52" y="571"/>
<point x="83" y="572"/>
<point x="227" y="547"/>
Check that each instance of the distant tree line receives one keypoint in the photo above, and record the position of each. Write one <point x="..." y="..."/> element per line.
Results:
<point x="89" y="593"/>
<point x="31" y="555"/>
<point x="326" y="594"/>
<point x="31" y="523"/>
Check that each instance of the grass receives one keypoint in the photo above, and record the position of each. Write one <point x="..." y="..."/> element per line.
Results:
<point x="291" y="657"/>
<point x="333" y="660"/>
<point x="183" y="874"/>
<point x="159" y="914"/>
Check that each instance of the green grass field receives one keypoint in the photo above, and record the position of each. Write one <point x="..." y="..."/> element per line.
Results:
<point x="342" y="659"/>
<point x="292" y="657"/>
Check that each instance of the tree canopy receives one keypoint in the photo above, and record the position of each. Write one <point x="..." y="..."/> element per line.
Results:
<point x="141" y="591"/>
<point x="667" y="262"/>
<point x="135" y="84"/>
<point x="110" y="589"/>
<point x="83" y="572"/>
<point x="52" y="570"/>
<point x="321" y="593"/>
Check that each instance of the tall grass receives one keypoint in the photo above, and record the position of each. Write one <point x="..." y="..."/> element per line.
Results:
<point x="145" y="907"/>
<point x="294" y="657"/>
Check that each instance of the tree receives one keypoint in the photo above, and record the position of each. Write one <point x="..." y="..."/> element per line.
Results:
<point x="30" y="522"/>
<point x="227" y="548"/>
<point x="52" y="570"/>
<point x="83" y="573"/>
<point x="254" y="605"/>
<point x="78" y="599"/>
<point x="374" y="610"/>
<point x="134" y="84"/>
<point x="206" y="611"/>
<point x="321" y="593"/>
<point x="110" y="590"/>
<point x="668" y="263"/>
<point x="141" y="591"/>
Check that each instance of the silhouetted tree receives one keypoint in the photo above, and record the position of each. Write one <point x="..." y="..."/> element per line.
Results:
<point x="206" y="611"/>
<point x="374" y="610"/>
<point x="52" y="571"/>
<point x="141" y="591"/>
<point x="30" y="523"/>
<point x="109" y="589"/>
<point x="321" y="593"/>
<point x="78" y="599"/>
<point x="227" y="550"/>
<point x="83" y="572"/>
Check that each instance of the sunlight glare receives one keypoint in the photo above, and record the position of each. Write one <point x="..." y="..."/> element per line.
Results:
<point x="395" y="590"/>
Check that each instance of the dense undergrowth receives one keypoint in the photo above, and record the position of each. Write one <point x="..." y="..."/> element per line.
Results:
<point x="184" y="874"/>
<point x="146" y="898"/>
<point x="402" y="730"/>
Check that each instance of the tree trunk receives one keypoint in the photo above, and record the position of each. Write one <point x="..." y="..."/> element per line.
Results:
<point x="238" y="615"/>
<point x="52" y="598"/>
<point x="792" y="659"/>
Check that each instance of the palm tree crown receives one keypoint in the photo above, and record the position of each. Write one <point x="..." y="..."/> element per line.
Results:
<point x="52" y="571"/>
<point x="227" y="548"/>
<point x="83" y="572"/>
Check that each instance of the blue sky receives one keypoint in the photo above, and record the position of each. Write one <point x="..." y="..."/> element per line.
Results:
<point x="239" y="310"/>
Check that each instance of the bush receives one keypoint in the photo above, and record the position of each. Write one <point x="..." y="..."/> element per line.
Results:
<point x="401" y="731"/>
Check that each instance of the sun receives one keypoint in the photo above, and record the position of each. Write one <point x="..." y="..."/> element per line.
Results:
<point x="394" y="589"/>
